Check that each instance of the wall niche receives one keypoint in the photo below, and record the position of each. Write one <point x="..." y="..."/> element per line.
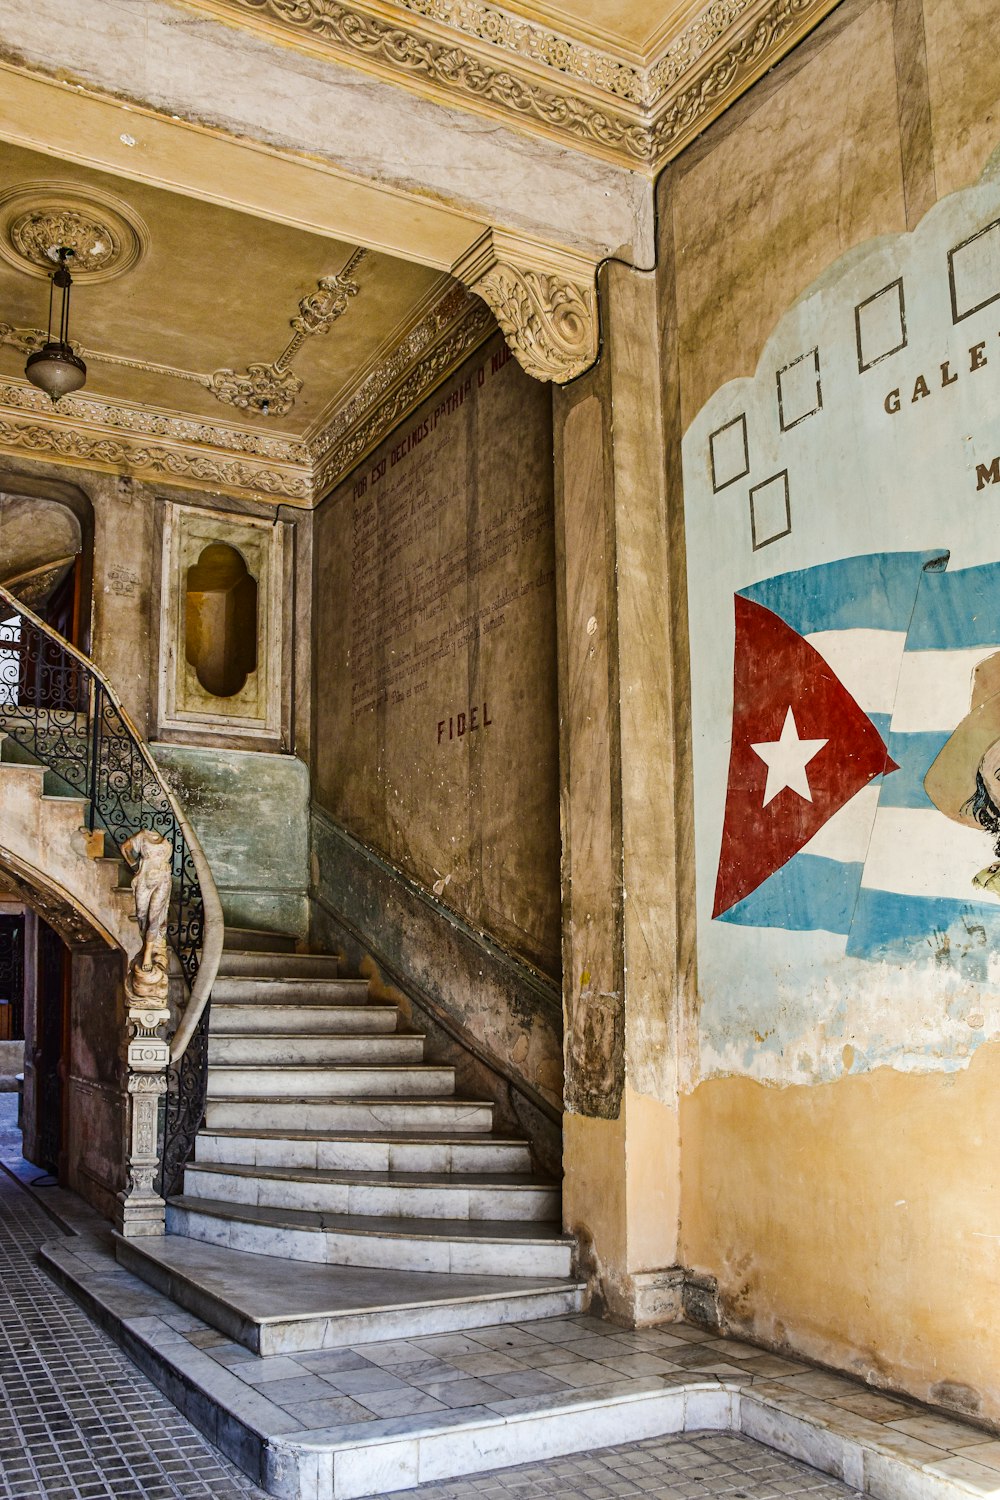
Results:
<point x="221" y="620"/>
<point x="221" y="625"/>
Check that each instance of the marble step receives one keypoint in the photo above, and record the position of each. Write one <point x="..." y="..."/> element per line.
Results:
<point x="291" y="1049"/>
<point x="486" y="1247"/>
<point x="334" y="1020"/>
<point x="510" y="1197"/>
<point x="254" y="1301"/>
<point x="364" y="1153"/>
<point x="255" y="940"/>
<point x="414" y="1116"/>
<point x="263" y="965"/>
<point x="417" y="1081"/>
<point x="271" y="990"/>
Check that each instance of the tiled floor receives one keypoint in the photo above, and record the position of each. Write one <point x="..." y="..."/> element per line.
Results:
<point x="674" y="1468"/>
<point x="77" y="1420"/>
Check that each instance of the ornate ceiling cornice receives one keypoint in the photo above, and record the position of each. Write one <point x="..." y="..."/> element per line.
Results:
<point x="639" y="115"/>
<point x="156" y="445"/>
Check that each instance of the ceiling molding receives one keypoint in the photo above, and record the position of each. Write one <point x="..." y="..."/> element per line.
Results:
<point x="430" y="352"/>
<point x="542" y="80"/>
<point x="153" y="445"/>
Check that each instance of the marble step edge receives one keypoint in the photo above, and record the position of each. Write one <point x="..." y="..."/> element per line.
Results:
<point x="482" y="1247"/>
<point x="353" y="1177"/>
<point x="451" y="1154"/>
<point x="365" y="1137"/>
<point x="402" y="1042"/>
<point x="278" y="984"/>
<point x="446" y="1199"/>
<point x="337" y="1328"/>
<point x="399" y="1453"/>
<point x="485" y="1231"/>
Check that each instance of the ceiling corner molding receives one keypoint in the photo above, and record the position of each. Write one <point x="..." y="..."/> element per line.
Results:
<point x="545" y="300"/>
<point x="531" y="77"/>
<point x="451" y="330"/>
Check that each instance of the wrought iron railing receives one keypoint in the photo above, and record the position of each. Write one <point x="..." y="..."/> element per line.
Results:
<point x="60" y="708"/>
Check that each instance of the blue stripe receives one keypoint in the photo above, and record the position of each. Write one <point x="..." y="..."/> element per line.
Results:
<point x="807" y="894"/>
<point x="913" y="754"/>
<point x="957" y="609"/>
<point x="958" y="935"/>
<point x="875" y="592"/>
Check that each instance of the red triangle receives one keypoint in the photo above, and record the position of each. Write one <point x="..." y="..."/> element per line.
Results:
<point x="776" y="670"/>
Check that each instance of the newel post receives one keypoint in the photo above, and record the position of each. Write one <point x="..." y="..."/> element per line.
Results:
<point x="141" y="1209"/>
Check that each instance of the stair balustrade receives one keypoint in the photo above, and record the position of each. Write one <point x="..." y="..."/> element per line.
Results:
<point x="60" y="708"/>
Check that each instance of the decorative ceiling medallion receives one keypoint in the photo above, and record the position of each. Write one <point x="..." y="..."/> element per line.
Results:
<point x="107" y="238"/>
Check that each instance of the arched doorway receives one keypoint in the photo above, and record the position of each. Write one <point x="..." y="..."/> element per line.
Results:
<point x="46" y="551"/>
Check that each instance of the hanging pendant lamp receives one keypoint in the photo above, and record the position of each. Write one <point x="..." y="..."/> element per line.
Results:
<point x="55" y="369"/>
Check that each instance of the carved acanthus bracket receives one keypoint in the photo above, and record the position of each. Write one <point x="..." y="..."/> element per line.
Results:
<point x="545" y="301"/>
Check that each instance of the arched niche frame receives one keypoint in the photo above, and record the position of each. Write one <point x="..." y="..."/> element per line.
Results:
<point x="51" y="562"/>
<point x="222" y="608"/>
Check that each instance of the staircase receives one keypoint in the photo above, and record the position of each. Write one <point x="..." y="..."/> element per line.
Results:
<point x="329" y="1141"/>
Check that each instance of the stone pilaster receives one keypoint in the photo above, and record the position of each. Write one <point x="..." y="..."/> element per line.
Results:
<point x="624" y="963"/>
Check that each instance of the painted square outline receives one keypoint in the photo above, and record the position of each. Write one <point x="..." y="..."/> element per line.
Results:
<point x="758" y="546"/>
<point x="716" y="487"/>
<point x="898" y="284"/>
<point x="956" y="316"/>
<point x="787" y="427"/>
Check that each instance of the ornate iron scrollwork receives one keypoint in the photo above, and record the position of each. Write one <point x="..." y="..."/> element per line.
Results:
<point x="59" y="710"/>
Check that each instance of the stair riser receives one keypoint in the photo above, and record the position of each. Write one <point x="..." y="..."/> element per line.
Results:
<point x="298" y="1114"/>
<point x="281" y="1083"/>
<point x="315" y="1051"/>
<point x="280" y="965"/>
<point x="392" y="1253"/>
<point x="291" y="991"/>
<point x="362" y="1156"/>
<point x="252" y="1020"/>
<point x="342" y="1330"/>
<point x="511" y="1205"/>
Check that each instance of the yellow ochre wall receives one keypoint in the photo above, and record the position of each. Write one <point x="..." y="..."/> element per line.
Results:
<point x="853" y="1218"/>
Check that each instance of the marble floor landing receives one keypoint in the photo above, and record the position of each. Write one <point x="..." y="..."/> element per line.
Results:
<point x="364" y="1420"/>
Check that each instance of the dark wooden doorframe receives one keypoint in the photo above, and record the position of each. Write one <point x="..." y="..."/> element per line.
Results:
<point x="52" y="1015"/>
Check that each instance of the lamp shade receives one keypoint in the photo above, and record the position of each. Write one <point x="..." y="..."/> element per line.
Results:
<point x="56" y="370"/>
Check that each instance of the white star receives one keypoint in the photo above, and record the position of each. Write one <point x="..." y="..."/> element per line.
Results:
<point x="786" y="760"/>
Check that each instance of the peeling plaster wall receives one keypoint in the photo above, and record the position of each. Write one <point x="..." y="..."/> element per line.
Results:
<point x="831" y="290"/>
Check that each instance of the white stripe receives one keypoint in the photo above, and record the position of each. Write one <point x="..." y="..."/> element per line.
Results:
<point x="917" y="851"/>
<point x="935" y="688"/>
<point x="866" y="661"/>
<point x="846" y="835"/>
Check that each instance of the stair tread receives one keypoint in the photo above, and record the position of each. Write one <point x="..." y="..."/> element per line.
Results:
<point x="471" y="1181"/>
<point x="260" y="1288"/>
<point x="387" y="1137"/>
<point x="500" y="1231"/>
<point x="286" y="1067"/>
<point x="297" y="1036"/>
<point x="428" y="1101"/>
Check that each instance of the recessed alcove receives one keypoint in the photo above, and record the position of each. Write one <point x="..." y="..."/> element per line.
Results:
<point x="221" y="620"/>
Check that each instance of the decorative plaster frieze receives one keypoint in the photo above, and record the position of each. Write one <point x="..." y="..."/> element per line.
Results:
<point x="545" y="302"/>
<point x="50" y="437"/>
<point x="141" y="420"/>
<point x="640" y="115"/>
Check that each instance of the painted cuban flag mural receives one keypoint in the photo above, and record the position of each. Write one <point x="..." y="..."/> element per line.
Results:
<point x="849" y="679"/>
<point x="843" y="531"/>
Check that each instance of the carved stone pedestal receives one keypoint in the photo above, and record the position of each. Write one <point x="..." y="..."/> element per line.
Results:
<point x="141" y="1209"/>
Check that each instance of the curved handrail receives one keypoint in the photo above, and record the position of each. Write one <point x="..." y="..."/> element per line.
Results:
<point x="213" y="930"/>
